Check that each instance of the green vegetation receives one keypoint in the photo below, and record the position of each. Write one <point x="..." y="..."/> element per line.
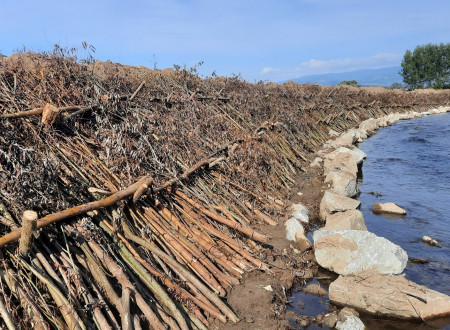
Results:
<point x="353" y="83"/>
<point x="427" y="67"/>
<point x="396" y="85"/>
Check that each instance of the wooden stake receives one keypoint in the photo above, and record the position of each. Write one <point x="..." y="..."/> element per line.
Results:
<point x="29" y="223"/>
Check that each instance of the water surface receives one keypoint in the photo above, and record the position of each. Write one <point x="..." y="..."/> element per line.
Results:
<point x="409" y="164"/>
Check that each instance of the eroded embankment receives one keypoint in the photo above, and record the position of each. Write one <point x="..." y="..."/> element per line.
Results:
<point x="369" y="266"/>
<point x="187" y="181"/>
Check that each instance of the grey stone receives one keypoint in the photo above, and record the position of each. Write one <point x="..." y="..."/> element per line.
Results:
<point x="350" y="323"/>
<point x="300" y="212"/>
<point x="292" y="226"/>
<point x="342" y="183"/>
<point x="348" y="252"/>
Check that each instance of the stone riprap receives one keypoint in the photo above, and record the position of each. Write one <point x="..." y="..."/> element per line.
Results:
<point x="349" y="252"/>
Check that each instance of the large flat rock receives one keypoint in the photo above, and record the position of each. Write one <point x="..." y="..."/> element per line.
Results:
<point x="391" y="296"/>
<point x="332" y="203"/>
<point x="349" y="252"/>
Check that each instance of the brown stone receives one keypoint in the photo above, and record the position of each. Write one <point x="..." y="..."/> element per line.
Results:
<point x="351" y="219"/>
<point x="390" y="296"/>
<point x="315" y="289"/>
<point x="332" y="203"/>
<point x="389" y="208"/>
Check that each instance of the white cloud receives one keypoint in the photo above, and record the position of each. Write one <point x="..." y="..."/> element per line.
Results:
<point x="269" y="70"/>
<point x="316" y="66"/>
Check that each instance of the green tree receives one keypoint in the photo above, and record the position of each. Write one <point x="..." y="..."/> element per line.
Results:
<point x="428" y="66"/>
<point x="353" y="83"/>
<point x="396" y="85"/>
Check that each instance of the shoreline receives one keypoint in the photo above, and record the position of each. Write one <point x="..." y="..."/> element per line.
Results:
<point x="311" y="188"/>
<point x="340" y="184"/>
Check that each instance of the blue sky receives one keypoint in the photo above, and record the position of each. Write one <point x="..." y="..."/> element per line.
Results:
<point x="261" y="40"/>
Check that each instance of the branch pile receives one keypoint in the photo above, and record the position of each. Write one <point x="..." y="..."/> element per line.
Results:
<point x="168" y="183"/>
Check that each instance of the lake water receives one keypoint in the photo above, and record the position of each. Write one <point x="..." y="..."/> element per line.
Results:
<point x="408" y="164"/>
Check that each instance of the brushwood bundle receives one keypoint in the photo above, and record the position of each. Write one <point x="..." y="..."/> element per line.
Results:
<point x="155" y="190"/>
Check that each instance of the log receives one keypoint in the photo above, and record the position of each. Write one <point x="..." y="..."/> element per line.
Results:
<point x="29" y="221"/>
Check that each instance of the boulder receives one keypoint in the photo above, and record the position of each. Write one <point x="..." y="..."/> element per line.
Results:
<point x="350" y="323"/>
<point x="342" y="183"/>
<point x="347" y="312"/>
<point x="329" y="320"/>
<point x="357" y="154"/>
<point x="390" y="208"/>
<point x="383" y="121"/>
<point x="369" y="126"/>
<point x="348" y="252"/>
<point x="351" y="219"/>
<point x="345" y="140"/>
<point x="299" y="212"/>
<point x="341" y="161"/>
<point x="292" y="227"/>
<point x="332" y="203"/>
<point x="390" y="296"/>
<point x="315" y="289"/>
<point x="316" y="162"/>
<point x="302" y="241"/>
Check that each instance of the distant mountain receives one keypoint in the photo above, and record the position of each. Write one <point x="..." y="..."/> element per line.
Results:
<point x="372" y="77"/>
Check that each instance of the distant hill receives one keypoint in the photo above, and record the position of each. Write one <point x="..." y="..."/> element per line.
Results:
<point x="372" y="77"/>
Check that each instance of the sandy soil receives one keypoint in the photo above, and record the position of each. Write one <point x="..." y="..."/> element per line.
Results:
<point x="257" y="307"/>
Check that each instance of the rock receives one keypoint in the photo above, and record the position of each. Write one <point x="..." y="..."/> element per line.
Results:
<point x="350" y="323"/>
<point x="357" y="154"/>
<point x="345" y="140"/>
<point x="268" y="288"/>
<point x="342" y="183"/>
<point x="348" y="252"/>
<point x="390" y="208"/>
<point x="315" y="289"/>
<point x="342" y="161"/>
<point x="347" y="312"/>
<point x="434" y="111"/>
<point x="302" y="241"/>
<point x="382" y="122"/>
<point x="316" y="162"/>
<point x="329" y="320"/>
<point x="319" y="319"/>
<point x="351" y="219"/>
<point x="299" y="212"/>
<point x="332" y="203"/>
<point x="431" y="241"/>
<point x="292" y="226"/>
<point x="370" y="126"/>
<point x="390" y="296"/>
